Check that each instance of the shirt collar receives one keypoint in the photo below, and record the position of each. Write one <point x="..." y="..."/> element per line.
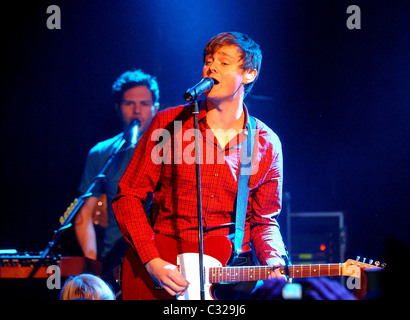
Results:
<point x="202" y="115"/>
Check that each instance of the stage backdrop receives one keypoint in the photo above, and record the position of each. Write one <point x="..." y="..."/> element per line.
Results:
<point x="335" y="89"/>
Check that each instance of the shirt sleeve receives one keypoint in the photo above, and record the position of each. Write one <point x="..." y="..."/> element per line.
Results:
<point x="139" y="179"/>
<point x="265" y="206"/>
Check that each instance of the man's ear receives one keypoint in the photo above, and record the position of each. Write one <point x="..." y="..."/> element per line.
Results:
<point x="250" y="76"/>
<point x="156" y="107"/>
<point x="117" y="109"/>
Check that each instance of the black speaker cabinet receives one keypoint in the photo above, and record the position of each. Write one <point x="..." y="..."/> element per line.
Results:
<point x="316" y="237"/>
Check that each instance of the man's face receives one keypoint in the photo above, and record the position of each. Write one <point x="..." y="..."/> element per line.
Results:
<point x="224" y="66"/>
<point x="137" y="103"/>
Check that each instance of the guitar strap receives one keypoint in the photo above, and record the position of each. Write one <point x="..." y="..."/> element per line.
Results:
<point x="245" y="171"/>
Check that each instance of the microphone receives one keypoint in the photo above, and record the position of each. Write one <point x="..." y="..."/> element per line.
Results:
<point x="202" y="86"/>
<point x="133" y="133"/>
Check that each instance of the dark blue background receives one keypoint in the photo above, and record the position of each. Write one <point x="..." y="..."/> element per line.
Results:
<point x="338" y="99"/>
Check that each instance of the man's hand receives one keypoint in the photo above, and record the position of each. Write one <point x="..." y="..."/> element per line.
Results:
<point x="167" y="276"/>
<point x="276" y="263"/>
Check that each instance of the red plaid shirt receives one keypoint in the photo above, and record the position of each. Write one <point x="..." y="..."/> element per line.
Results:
<point x="163" y="163"/>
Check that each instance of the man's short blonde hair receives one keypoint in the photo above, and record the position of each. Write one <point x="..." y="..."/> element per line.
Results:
<point x="86" y="286"/>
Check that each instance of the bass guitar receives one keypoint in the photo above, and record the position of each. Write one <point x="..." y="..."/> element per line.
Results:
<point x="137" y="284"/>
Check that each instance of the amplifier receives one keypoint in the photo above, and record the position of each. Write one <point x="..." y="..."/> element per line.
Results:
<point x="15" y="264"/>
<point x="23" y="265"/>
<point x="23" y="274"/>
<point x="316" y="237"/>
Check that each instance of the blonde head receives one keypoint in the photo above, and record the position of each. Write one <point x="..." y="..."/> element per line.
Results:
<point x="86" y="286"/>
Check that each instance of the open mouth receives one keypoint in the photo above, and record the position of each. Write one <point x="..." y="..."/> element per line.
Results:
<point x="215" y="81"/>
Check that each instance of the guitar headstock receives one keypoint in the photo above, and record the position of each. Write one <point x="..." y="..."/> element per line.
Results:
<point x="68" y="211"/>
<point x="351" y="267"/>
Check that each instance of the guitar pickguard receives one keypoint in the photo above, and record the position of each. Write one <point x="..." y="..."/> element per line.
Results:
<point x="188" y="264"/>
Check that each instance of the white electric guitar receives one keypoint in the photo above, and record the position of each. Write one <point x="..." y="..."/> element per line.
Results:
<point x="137" y="284"/>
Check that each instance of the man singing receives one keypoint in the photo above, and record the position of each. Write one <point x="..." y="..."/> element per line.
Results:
<point x="233" y="61"/>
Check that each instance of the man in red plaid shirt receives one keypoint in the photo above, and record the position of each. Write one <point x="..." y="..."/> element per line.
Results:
<point x="164" y="165"/>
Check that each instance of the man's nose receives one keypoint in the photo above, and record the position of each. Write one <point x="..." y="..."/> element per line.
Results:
<point x="212" y="67"/>
<point x="137" y="108"/>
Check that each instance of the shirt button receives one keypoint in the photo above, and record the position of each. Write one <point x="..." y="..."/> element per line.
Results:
<point x="212" y="196"/>
<point x="216" y="175"/>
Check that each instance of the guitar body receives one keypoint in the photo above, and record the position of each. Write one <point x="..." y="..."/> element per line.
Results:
<point x="137" y="284"/>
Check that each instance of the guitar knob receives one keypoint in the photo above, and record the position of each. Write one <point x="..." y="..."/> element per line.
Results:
<point x="370" y="261"/>
<point x="364" y="260"/>
<point x="377" y="263"/>
<point x="358" y="258"/>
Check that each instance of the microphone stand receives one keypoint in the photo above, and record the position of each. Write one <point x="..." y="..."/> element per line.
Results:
<point x="81" y="201"/>
<point x="194" y="106"/>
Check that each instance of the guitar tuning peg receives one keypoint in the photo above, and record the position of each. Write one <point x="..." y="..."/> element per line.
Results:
<point x="377" y="263"/>
<point x="370" y="261"/>
<point x="383" y="265"/>
<point x="364" y="260"/>
<point x="358" y="258"/>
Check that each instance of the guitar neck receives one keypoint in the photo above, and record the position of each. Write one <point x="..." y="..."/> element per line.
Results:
<point x="254" y="273"/>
